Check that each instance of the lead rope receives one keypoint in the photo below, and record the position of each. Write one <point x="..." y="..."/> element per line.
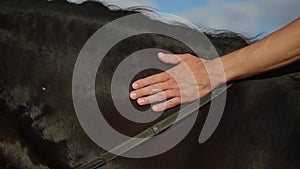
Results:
<point x="154" y="130"/>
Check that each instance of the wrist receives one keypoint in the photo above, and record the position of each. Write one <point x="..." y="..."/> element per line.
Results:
<point x="216" y="72"/>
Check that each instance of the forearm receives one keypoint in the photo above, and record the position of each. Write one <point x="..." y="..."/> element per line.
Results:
<point x="276" y="50"/>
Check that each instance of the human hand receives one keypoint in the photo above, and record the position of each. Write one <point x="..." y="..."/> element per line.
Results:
<point x="190" y="79"/>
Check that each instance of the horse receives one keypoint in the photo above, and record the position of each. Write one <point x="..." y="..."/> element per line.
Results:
<point x="39" y="43"/>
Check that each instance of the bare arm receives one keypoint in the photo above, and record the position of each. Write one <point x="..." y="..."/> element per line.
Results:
<point x="193" y="77"/>
<point x="276" y="50"/>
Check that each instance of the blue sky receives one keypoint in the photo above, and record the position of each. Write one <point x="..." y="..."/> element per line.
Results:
<point x="245" y="16"/>
<point x="250" y="17"/>
<point x="177" y="6"/>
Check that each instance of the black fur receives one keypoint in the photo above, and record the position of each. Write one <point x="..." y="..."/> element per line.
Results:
<point x="39" y="44"/>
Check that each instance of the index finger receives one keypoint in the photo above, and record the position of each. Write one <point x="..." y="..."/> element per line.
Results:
<point x="157" y="78"/>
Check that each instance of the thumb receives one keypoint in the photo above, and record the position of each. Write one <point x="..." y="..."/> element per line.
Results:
<point x="170" y="58"/>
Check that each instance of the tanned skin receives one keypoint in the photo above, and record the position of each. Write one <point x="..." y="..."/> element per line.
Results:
<point x="193" y="77"/>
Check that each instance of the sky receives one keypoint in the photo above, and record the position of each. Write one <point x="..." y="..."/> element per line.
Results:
<point x="250" y="17"/>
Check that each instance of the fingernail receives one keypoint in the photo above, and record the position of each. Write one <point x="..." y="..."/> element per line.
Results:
<point x="133" y="95"/>
<point x="135" y="85"/>
<point x="160" y="54"/>
<point x="155" y="108"/>
<point x="141" y="101"/>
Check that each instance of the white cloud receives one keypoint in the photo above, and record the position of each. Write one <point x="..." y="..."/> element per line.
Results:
<point x="247" y="16"/>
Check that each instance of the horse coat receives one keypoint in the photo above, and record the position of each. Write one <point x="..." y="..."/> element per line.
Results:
<point x="39" y="45"/>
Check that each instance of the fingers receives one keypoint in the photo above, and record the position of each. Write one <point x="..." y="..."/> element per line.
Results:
<point x="157" y="78"/>
<point x="171" y="58"/>
<point x="161" y="77"/>
<point x="152" y="89"/>
<point x="167" y="104"/>
<point x="160" y="87"/>
<point x="158" y="97"/>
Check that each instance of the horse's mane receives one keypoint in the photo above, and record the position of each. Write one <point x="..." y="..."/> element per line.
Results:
<point x="233" y="39"/>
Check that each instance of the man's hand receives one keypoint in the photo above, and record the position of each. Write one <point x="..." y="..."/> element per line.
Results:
<point x="190" y="79"/>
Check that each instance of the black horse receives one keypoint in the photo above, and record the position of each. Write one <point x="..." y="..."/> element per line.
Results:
<point x="39" y="45"/>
